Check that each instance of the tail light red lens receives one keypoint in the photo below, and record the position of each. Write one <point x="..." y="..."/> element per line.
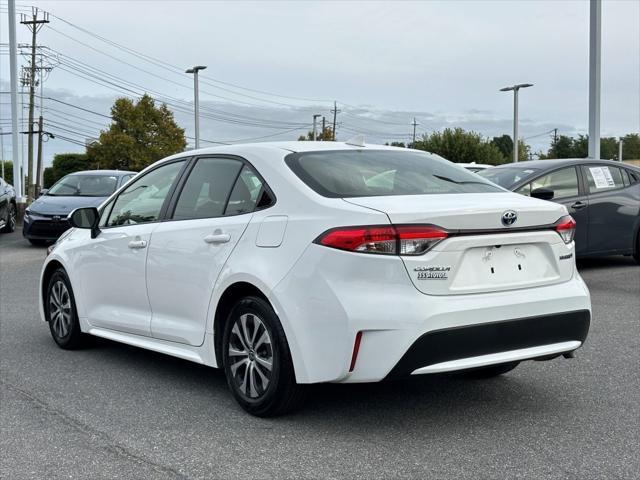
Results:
<point x="382" y="239"/>
<point x="566" y="228"/>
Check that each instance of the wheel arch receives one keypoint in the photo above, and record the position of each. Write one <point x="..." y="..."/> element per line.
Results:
<point x="228" y="299"/>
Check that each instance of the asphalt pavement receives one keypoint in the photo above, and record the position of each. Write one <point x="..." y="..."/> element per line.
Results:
<point x="113" y="411"/>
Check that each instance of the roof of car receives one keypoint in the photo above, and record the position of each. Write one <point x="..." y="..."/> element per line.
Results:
<point x="297" y="146"/>
<point x="104" y="172"/>
<point x="545" y="164"/>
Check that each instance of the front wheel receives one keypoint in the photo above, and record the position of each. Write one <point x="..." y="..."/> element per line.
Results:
<point x="61" y="314"/>
<point x="257" y="360"/>
<point x="12" y="216"/>
<point x="636" y="253"/>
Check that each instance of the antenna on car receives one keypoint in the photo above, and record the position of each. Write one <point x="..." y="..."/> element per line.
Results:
<point x="357" y="141"/>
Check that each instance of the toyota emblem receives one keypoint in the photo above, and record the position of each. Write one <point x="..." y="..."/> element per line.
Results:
<point x="509" y="218"/>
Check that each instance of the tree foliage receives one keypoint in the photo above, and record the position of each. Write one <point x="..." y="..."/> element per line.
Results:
<point x="325" y="135"/>
<point x="64" y="164"/>
<point x="140" y="134"/>
<point x="578" y="147"/>
<point x="8" y="171"/>
<point x="461" y="146"/>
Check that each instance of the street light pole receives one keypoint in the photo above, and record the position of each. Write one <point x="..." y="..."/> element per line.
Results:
<point x="196" y="101"/>
<point x="515" y="89"/>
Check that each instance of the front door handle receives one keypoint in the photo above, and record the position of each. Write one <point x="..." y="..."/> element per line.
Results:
<point x="218" y="238"/>
<point x="135" y="244"/>
<point x="578" y="205"/>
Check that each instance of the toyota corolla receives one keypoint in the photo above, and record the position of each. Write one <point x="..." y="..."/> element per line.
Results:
<point x="288" y="264"/>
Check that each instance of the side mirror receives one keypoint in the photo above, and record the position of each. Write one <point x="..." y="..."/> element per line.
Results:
<point x="543" y="193"/>
<point x="43" y="191"/>
<point x="86" y="217"/>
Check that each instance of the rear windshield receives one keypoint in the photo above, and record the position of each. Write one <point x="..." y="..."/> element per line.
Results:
<point x="507" y="177"/>
<point x="371" y="173"/>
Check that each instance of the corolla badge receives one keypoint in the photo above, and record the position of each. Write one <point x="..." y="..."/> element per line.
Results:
<point x="509" y="218"/>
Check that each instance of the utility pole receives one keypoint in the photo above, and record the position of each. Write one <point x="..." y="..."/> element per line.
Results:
<point x="555" y="136"/>
<point x="34" y="24"/>
<point x="620" y="149"/>
<point x="415" y="124"/>
<point x="335" y="112"/>
<point x="315" y="133"/>
<point x="595" y="30"/>
<point x="42" y="69"/>
<point x="323" y="127"/>
<point x="196" y="100"/>
<point x="13" y="67"/>
<point x="515" y="89"/>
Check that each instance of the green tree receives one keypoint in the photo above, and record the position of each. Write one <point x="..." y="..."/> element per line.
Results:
<point x="140" y="134"/>
<point x="8" y="171"/>
<point x="631" y="146"/>
<point x="505" y="145"/>
<point x="325" y="135"/>
<point x="461" y="146"/>
<point x="64" y="164"/>
<point x="397" y="144"/>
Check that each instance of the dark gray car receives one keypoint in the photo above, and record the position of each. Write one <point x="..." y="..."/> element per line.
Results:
<point x="602" y="196"/>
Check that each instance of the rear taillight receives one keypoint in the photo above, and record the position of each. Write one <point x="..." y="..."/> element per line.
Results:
<point x="384" y="239"/>
<point x="566" y="228"/>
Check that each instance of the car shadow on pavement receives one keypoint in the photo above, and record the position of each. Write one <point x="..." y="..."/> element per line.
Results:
<point x="438" y="400"/>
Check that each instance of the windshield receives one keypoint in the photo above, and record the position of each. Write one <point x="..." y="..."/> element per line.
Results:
<point x="507" y="177"/>
<point x="358" y="173"/>
<point x="84" y="186"/>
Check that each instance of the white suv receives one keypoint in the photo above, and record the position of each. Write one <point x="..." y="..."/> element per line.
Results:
<point x="302" y="262"/>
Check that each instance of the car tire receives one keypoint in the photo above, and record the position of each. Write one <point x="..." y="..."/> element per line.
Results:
<point x="61" y="314"/>
<point x="636" y="252"/>
<point x="490" y="371"/>
<point x="257" y="360"/>
<point x="11" y="219"/>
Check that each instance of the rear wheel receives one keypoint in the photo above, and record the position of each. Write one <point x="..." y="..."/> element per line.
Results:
<point x="490" y="371"/>
<point x="12" y="216"/>
<point x="636" y="252"/>
<point x="257" y="360"/>
<point x="61" y="314"/>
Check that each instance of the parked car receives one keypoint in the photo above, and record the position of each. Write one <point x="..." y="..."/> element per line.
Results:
<point x="475" y="167"/>
<point x="8" y="209"/>
<point x="46" y="218"/>
<point x="283" y="264"/>
<point x="603" y="197"/>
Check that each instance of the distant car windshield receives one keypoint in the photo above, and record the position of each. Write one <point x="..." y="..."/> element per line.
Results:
<point x="507" y="177"/>
<point x="75" y="185"/>
<point x="369" y="173"/>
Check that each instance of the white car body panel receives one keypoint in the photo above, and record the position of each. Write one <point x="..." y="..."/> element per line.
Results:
<point x="322" y="296"/>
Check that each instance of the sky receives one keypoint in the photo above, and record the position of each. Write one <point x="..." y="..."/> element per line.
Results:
<point x="272" y="65"/>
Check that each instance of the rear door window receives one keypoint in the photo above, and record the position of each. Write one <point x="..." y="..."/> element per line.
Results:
<point x="362" y="173"/>
<point x="601" y="178"/>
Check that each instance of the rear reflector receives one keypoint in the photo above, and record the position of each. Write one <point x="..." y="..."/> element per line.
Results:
<point x="384" y="239"/>
<point x="356" y="349"/>
<point x="566" y="228"/>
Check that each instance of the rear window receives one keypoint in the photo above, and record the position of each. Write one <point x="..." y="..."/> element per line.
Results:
<point x="371" y="173"/>
<point x="507" y="177"/>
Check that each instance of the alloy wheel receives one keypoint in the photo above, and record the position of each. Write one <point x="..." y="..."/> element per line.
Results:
<point x="250" y="351"/>
<point x="60" y="309"/>
<point x="12" y="217"/>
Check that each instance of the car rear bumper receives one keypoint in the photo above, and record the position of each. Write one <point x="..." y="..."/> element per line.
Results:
<point x="474" y="346"/>
<point x="330" y="296"/>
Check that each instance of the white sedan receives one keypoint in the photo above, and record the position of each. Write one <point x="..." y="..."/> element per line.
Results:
<point x="294" y="263"/>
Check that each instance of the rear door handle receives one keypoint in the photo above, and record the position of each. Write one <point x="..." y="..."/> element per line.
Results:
<point x="135" y="244"/>
<point x="578" y="205"/>
<point x="217" y="238"/>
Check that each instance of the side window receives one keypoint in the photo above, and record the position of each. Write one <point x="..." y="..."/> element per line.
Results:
<point x="525" y="190"/>
<point x="601" y="178"/>
<point x="207" y="189"/>
<point x="126" y="178"/>
<point x="634" y="177"/>
<point x="245" y="193"/>
<point x="563" y="182"/>
<point x="141" y="202"/>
